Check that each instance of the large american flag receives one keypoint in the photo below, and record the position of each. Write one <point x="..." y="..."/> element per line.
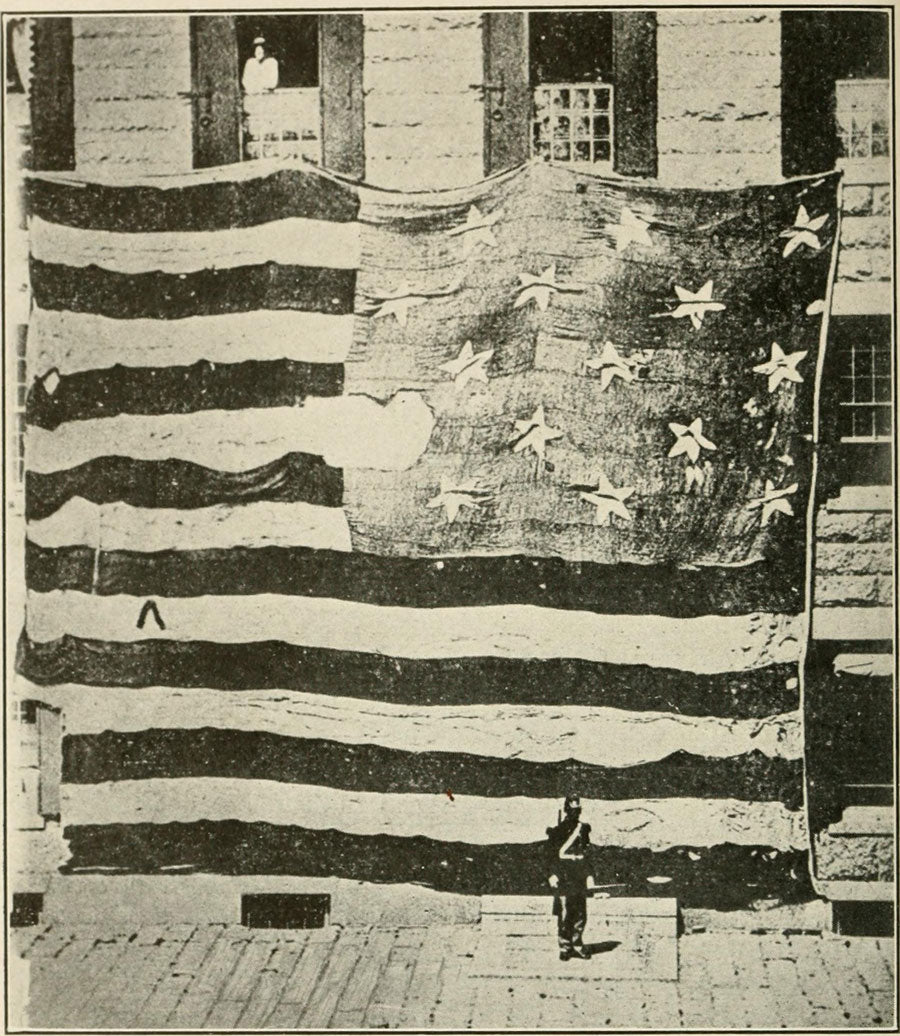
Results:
<point x="363" y="526"/>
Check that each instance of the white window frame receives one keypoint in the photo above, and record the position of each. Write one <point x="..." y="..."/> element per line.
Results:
<point x="868" y="406"/>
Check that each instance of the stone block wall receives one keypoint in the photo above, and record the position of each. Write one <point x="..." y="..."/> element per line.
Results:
<point x="424" y="120"/>
<point x="865" y="263"/>
<point x="859" y="847"/>
<point x="132" y="103"/>
<point x="854" y="557"/>
<point x="719" y="97"/>
<point x="719" y="116"/>
<point x="854" y="560"/>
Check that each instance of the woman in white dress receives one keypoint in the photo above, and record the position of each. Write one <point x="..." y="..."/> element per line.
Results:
<point x="260" y="70"/>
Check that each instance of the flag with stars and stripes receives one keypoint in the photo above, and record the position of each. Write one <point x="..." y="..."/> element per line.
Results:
<point x="363" y="526"/>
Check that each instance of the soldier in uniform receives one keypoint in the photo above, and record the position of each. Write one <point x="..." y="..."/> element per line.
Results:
<point x="568" y="844"/>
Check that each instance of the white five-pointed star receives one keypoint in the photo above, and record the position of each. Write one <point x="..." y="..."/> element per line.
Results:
<point x="694" y="304"/>
<point x="690" y="439"/>
<point x="611" y="365"/>
<point x="453" y="497"/>
<point x="540" y="288"/>
<point x="607" y="499"/>
<point x="534" y="433"/>
<point x="803" y="232"/>
<point x="631" y="229"/>
<point x="477" y="230"/>
<point x="468" y="366"/>
<point x="781" y="367"/>
<point x="399" y="302"/>
<point x="773" y="501"/>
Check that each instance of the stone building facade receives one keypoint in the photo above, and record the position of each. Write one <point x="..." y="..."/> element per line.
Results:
<point x="702" y="97"/>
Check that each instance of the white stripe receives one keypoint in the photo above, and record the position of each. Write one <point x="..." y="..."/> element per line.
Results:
<point x="293" y="241"/>
<point x="711" y="644"/>
<point x="540" y="733"/>
<point x="73" y="342"/>
<point x="635" y="823"/>
<point x="348" y="431"/>
<point x="118" y="526"/>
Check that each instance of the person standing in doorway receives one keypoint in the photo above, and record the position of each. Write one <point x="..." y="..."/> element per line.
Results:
<point x="568" y="844"/>
<point x="260" y="70"/>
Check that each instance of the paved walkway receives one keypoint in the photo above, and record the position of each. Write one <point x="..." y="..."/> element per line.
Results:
<point x="227" y="976"/>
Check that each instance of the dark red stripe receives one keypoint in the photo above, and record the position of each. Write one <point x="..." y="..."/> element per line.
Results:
<point x="725" y="877"/>
<point x="219" y="205"/>
<point x="181" y="390"/>
<point x="171" y="296"/>
<point x="452" y="681"/>
<point x="420" y="582"/>
<point x="254" y="754"/>
<point x="183" y="484"/>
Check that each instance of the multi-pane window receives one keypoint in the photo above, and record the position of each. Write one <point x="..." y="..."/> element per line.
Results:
<point x="862" y="112"/>
<point x="279" y="67"/>
<point x="864" y="402"/>
<point x="571" y="69"/>
<point x="573" y="122"/>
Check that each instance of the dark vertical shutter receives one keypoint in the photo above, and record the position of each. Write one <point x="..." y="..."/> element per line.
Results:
<point x="341" y="86"/>
<point x="215" y="91"/>
<point x="507" y="96"/>
<point x="634" y="108"/>
<point x="53" y="95"/>
<point x="808" y="138"/>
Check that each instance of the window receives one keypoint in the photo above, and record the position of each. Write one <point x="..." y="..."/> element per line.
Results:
<point x="856" y="403"/>
<point x="571" y="69"/>
<point x="864" y="401"/>
<point x="572" y="87"/>
<point x="835" y="94"/>
<point x="278" y="57"/>
<point x="862" y="117"/>
<point x="573" y="123"/>
<point x="308" y="100"/>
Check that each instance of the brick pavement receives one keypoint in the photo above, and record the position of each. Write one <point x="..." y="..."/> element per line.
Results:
<point x="226" y="976"/>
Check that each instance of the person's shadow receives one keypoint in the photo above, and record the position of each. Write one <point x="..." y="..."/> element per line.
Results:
<point x="601" y="947"/>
